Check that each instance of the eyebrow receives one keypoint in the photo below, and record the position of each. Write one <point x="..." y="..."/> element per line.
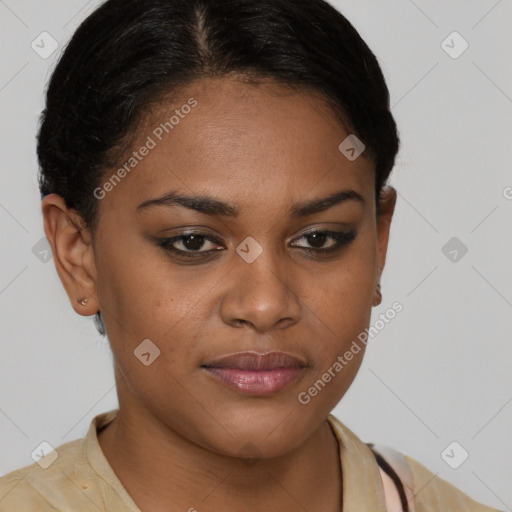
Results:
<point x="210" y="206"/>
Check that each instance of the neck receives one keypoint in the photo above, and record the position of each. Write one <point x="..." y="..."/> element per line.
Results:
<point x="163" y="471"/>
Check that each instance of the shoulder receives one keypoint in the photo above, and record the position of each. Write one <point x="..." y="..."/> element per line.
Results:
<point x="434" y="494"/>
<point x="17" y="495"/>
<point x="50" y="484"/>
<point x="425" y="489"/>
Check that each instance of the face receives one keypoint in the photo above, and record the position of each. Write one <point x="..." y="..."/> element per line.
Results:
<point x="259" y="264"/>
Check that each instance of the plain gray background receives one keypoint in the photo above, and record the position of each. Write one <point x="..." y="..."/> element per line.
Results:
<point x="439" y="372"/>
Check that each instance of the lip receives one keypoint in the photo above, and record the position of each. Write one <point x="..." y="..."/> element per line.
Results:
<point x="256" y="374"/>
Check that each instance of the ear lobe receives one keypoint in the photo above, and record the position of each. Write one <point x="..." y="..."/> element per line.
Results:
<point x="387" y="203"/>
<point x="72" y="253"/>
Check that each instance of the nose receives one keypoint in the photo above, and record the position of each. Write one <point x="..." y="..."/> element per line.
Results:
<point x="261" y="294"/>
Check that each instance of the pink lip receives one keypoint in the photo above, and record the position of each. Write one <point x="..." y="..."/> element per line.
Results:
<point x="256" y="374"/>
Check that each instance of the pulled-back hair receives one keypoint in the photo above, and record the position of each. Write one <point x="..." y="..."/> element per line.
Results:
<point x="130" y="54"/>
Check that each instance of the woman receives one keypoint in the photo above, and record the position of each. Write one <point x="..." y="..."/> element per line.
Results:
<point x="214" y="181"/>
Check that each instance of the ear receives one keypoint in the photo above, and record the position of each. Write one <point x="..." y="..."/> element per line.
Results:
<point x="73" y="253"/>
<point x="387" y="202"/>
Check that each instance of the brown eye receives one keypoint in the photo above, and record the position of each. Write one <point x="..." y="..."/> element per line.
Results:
<point x="191" y="244"/>
<point x="317" y="240"/>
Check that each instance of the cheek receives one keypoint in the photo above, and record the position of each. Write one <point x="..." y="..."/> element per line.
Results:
<point x="341" y="306"/>
<point x="143" y="294"/>
<point x="147" y="297"/>
<point x="343" y="293"/>
<point x="342" y="313"/>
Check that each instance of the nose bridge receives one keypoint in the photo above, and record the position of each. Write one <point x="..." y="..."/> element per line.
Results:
<point x="262" y="292"/>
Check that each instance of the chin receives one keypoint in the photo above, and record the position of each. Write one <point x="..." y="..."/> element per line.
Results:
<point x="263" y="432"/>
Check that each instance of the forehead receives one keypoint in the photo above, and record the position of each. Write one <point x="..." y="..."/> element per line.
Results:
<point x="240" y="140"/>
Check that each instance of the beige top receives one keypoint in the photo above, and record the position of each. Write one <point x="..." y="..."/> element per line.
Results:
<point x="81" y="479"/>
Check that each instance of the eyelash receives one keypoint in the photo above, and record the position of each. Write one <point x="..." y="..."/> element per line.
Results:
<point x="342" y="239"/>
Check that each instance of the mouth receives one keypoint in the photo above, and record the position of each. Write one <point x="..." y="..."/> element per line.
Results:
<point x="256" y="374"/>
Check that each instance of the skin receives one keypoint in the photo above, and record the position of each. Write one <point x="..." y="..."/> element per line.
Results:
<point x="180" y="441"/>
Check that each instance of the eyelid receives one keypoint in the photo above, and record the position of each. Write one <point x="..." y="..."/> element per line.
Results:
<point x="341" y="239"/>
<point x="337" y="228"/>
<point x="206" y="236"/>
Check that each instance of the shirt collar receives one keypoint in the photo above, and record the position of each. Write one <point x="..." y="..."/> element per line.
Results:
<point x="362" y="486"/>
<point x="99" y="462"/>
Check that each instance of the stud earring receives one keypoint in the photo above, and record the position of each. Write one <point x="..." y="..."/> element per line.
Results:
<point x="83" y="301"/>
<point x="378" y="296"/>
